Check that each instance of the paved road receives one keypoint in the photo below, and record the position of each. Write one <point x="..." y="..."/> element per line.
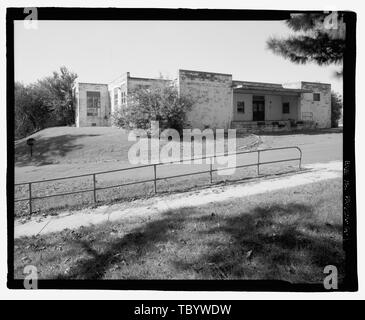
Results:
<point x="315" y="147"/>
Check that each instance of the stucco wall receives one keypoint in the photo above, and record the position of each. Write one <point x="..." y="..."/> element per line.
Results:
<point x="213" y="97"/>
<point x="103" y="118"/>
<point x="321" y="109"/>
<point x="136" y="83"/>
<point x="273" y="106"/>
<point x="247" y="99"/>
<point x="293" y="108"/>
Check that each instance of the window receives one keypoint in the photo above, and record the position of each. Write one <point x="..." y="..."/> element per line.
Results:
<point x="240" y="106"/>
<point x="115" y="96"/>
<point x="124" y="100"/>
<point x="93" y="103"/>
<point x="286" y="107"/>
<point x="316" y="97"/>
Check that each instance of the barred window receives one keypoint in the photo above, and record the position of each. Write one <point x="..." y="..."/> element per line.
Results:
<point x="93" y="103"/>
<point x="316" y="97"/>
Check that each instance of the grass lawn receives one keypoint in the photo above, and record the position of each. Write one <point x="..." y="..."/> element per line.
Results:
<point x="80" y="147"/>
<point x="291" y="235"/>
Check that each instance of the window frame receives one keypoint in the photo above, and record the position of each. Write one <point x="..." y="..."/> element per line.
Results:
<point x="316" y="94"/>
<point x="239" y="108"/>
<point x="284" y="105"/>
<point x="95" y="96"/>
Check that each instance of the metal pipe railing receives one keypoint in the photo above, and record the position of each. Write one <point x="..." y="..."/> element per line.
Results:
<point x="155" y="177"/>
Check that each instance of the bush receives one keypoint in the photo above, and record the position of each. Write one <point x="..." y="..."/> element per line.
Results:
<point x="159" y="102"/>
<point x="336" y="106"/>
<point x="118" y="118"/>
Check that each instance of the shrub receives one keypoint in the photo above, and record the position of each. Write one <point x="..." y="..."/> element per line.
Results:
<point x="118" y="118"/>
<point x="158" y="102"/>
<point x="336" y="106"/>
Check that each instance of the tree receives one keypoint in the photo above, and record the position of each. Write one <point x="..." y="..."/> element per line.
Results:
<point x="159" y="102"/>
<point x="336" y="109"/>
<point x="320" y="39"/>
<point x="45" y="103"/>
<point x="57" y="93"/>
<point x="31" y="113"/>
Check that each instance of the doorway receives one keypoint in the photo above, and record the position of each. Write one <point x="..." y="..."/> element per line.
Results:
<point x="258" y="108"/>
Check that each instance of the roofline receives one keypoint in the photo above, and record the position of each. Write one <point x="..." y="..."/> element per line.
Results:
<point x="207" y="72"/>
<point x="154" y="79"/>
<point x="259" y="83"/>
<point x="283" y="90"/>
<point x="316" y="82"/>
<point x="99" y="84"/>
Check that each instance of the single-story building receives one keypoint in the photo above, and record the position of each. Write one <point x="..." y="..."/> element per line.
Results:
<point x="220" y="102"/>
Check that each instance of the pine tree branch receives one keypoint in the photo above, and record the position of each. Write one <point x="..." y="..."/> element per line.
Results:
<point x="302" y="49"/>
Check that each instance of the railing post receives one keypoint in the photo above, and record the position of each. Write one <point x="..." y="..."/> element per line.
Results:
<point x="300" y="160"/>
<point x="211" y="170"/>
<point x="94" y="184"/>
<point x="258" y="162"/>
<point x="155" y="177"/>
<point x="30" y="198"/>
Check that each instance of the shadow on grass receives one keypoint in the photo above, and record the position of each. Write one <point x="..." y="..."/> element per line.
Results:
<point x="281" y="242"/>
<point x="45" y="150"/>
<point x="271" y="243"/>
<point x="131" y="247"/>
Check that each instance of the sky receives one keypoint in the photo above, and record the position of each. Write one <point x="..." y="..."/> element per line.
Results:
<point x="100" y="51"/>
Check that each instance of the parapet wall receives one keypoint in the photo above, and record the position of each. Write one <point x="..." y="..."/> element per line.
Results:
<point x="212" y="94"/>
<point x="321" y="109"/>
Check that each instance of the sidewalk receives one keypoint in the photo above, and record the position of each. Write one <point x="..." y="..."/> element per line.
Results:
<point x="86" y="217"/>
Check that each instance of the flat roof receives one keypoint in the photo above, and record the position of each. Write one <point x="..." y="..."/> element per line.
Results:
<point x="259" y="84"/>
<point x="279" y="89"/>
<point x="316" y="82"/>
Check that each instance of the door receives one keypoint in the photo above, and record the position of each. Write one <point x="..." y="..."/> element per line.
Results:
<point x="258" y="108"/>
